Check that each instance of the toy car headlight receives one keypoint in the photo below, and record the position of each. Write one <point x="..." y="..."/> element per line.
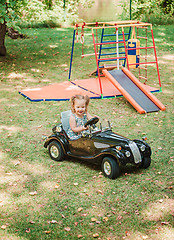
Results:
<point x="127" y="153"/>
<point x="44" y="138"/>
<point x="58" y="128"/>
<point x="118" y="148"/>
<point x="142" y="148"/>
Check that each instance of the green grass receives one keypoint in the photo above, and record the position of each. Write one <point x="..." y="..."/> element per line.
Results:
<point x="43" y="199"/>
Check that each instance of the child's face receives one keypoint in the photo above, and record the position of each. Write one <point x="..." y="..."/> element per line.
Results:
<point x="79" y="107"/>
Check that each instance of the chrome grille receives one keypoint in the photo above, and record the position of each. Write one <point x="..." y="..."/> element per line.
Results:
<point x="135" y="151"/>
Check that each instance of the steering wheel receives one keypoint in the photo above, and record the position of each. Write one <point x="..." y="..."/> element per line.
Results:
<point x="92" y="121"/>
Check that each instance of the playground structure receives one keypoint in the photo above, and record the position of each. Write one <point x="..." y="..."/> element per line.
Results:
<point x="114" y="43"/>
<point x="122" y="44"/>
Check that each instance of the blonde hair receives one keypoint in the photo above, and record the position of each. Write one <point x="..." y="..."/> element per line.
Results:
<point x="79" y="97"/>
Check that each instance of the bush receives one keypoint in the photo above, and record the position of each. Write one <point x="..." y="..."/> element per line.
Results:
<point x="36" y="14"/>
<point x="153" y="11"/>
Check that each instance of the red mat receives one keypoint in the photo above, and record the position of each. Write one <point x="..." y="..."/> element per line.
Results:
<point x="64" y="90"/>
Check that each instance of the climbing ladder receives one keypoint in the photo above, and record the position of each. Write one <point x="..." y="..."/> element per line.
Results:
<point x="118" y="54"/>
<point x="118" y="50"/>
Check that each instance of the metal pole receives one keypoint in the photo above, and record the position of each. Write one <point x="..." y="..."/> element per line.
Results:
<point x="64" y="11"/>
<point x="72" y="50"/>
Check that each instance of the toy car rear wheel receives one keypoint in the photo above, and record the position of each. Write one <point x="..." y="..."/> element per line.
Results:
<point x="56" y="151"/>
<point x="110" y="168"/>
<point x="146" y="162"/>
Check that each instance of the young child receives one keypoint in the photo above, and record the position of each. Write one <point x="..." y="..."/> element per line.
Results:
<point x="79" y="106"/>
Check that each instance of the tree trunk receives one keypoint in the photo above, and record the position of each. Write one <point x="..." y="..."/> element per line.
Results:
<point x="2" y="39"/>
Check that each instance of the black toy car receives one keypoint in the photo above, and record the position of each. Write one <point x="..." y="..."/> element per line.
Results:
<point x="99" y="146"/>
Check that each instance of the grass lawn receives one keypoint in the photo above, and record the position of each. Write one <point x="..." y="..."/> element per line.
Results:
<point x="43" y="199"/>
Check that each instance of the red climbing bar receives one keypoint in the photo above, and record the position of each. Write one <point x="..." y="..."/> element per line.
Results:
<point x="138" y="48"/>
<point x="156" y="58"/>
<point x="141" y="63"/>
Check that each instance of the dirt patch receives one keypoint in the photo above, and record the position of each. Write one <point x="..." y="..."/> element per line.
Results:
<point x="157" y="211"/>
<point x="12" y="129"/>
<point x="161" y="233"/>
<point x="168" y="57"/>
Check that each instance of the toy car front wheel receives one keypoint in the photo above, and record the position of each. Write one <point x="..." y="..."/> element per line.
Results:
<point x="146" y="162"/>
<point x="110" y="168"/>
<point x="55" y="151"/>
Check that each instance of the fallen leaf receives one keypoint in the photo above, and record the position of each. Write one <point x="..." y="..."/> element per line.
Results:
<point x="79" y="236"/>
<point x="33" y="193"/>
<point x="95" y="235"/>
<point x="32" y="222"/>
<point x="100" y="192"/>
<point x="27" y="230"/>
<point x="93" y="219"/>
<point x="3" y="227"/>
<point x="165" y="223"/>
<point x="137" y="212"/>
<point x="47" y="232"/>
<point x="7" y="150"/>
<point x="127" y="233"/>
<point x="75" y="184"/>
<point x="119" y="217"/>
<point x="67" y="229"/>
<point x="105" y="219"/>
<point x="17" y="163"/>
<point x="84" y="215"/>
<point x="98" y="222"/>
<point x="80" y="209"/>
<point x="53" y="221"/>
<point x="57" y="186"/>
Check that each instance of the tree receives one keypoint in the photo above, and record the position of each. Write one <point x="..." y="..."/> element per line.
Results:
<point x="158" y="8"/>
<point x="45" y="11"/>
<point x="9" y="11"/>
<point x="154" y="11"/>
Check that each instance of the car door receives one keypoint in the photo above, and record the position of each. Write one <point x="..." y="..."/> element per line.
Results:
<point x="83" y="147"/>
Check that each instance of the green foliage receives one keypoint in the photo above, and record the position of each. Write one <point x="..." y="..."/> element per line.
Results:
<point x="35" y="13"/>
<point x="10" y="11"/>
<point x="154" y="11"/>
<point x="51" y="13"/>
